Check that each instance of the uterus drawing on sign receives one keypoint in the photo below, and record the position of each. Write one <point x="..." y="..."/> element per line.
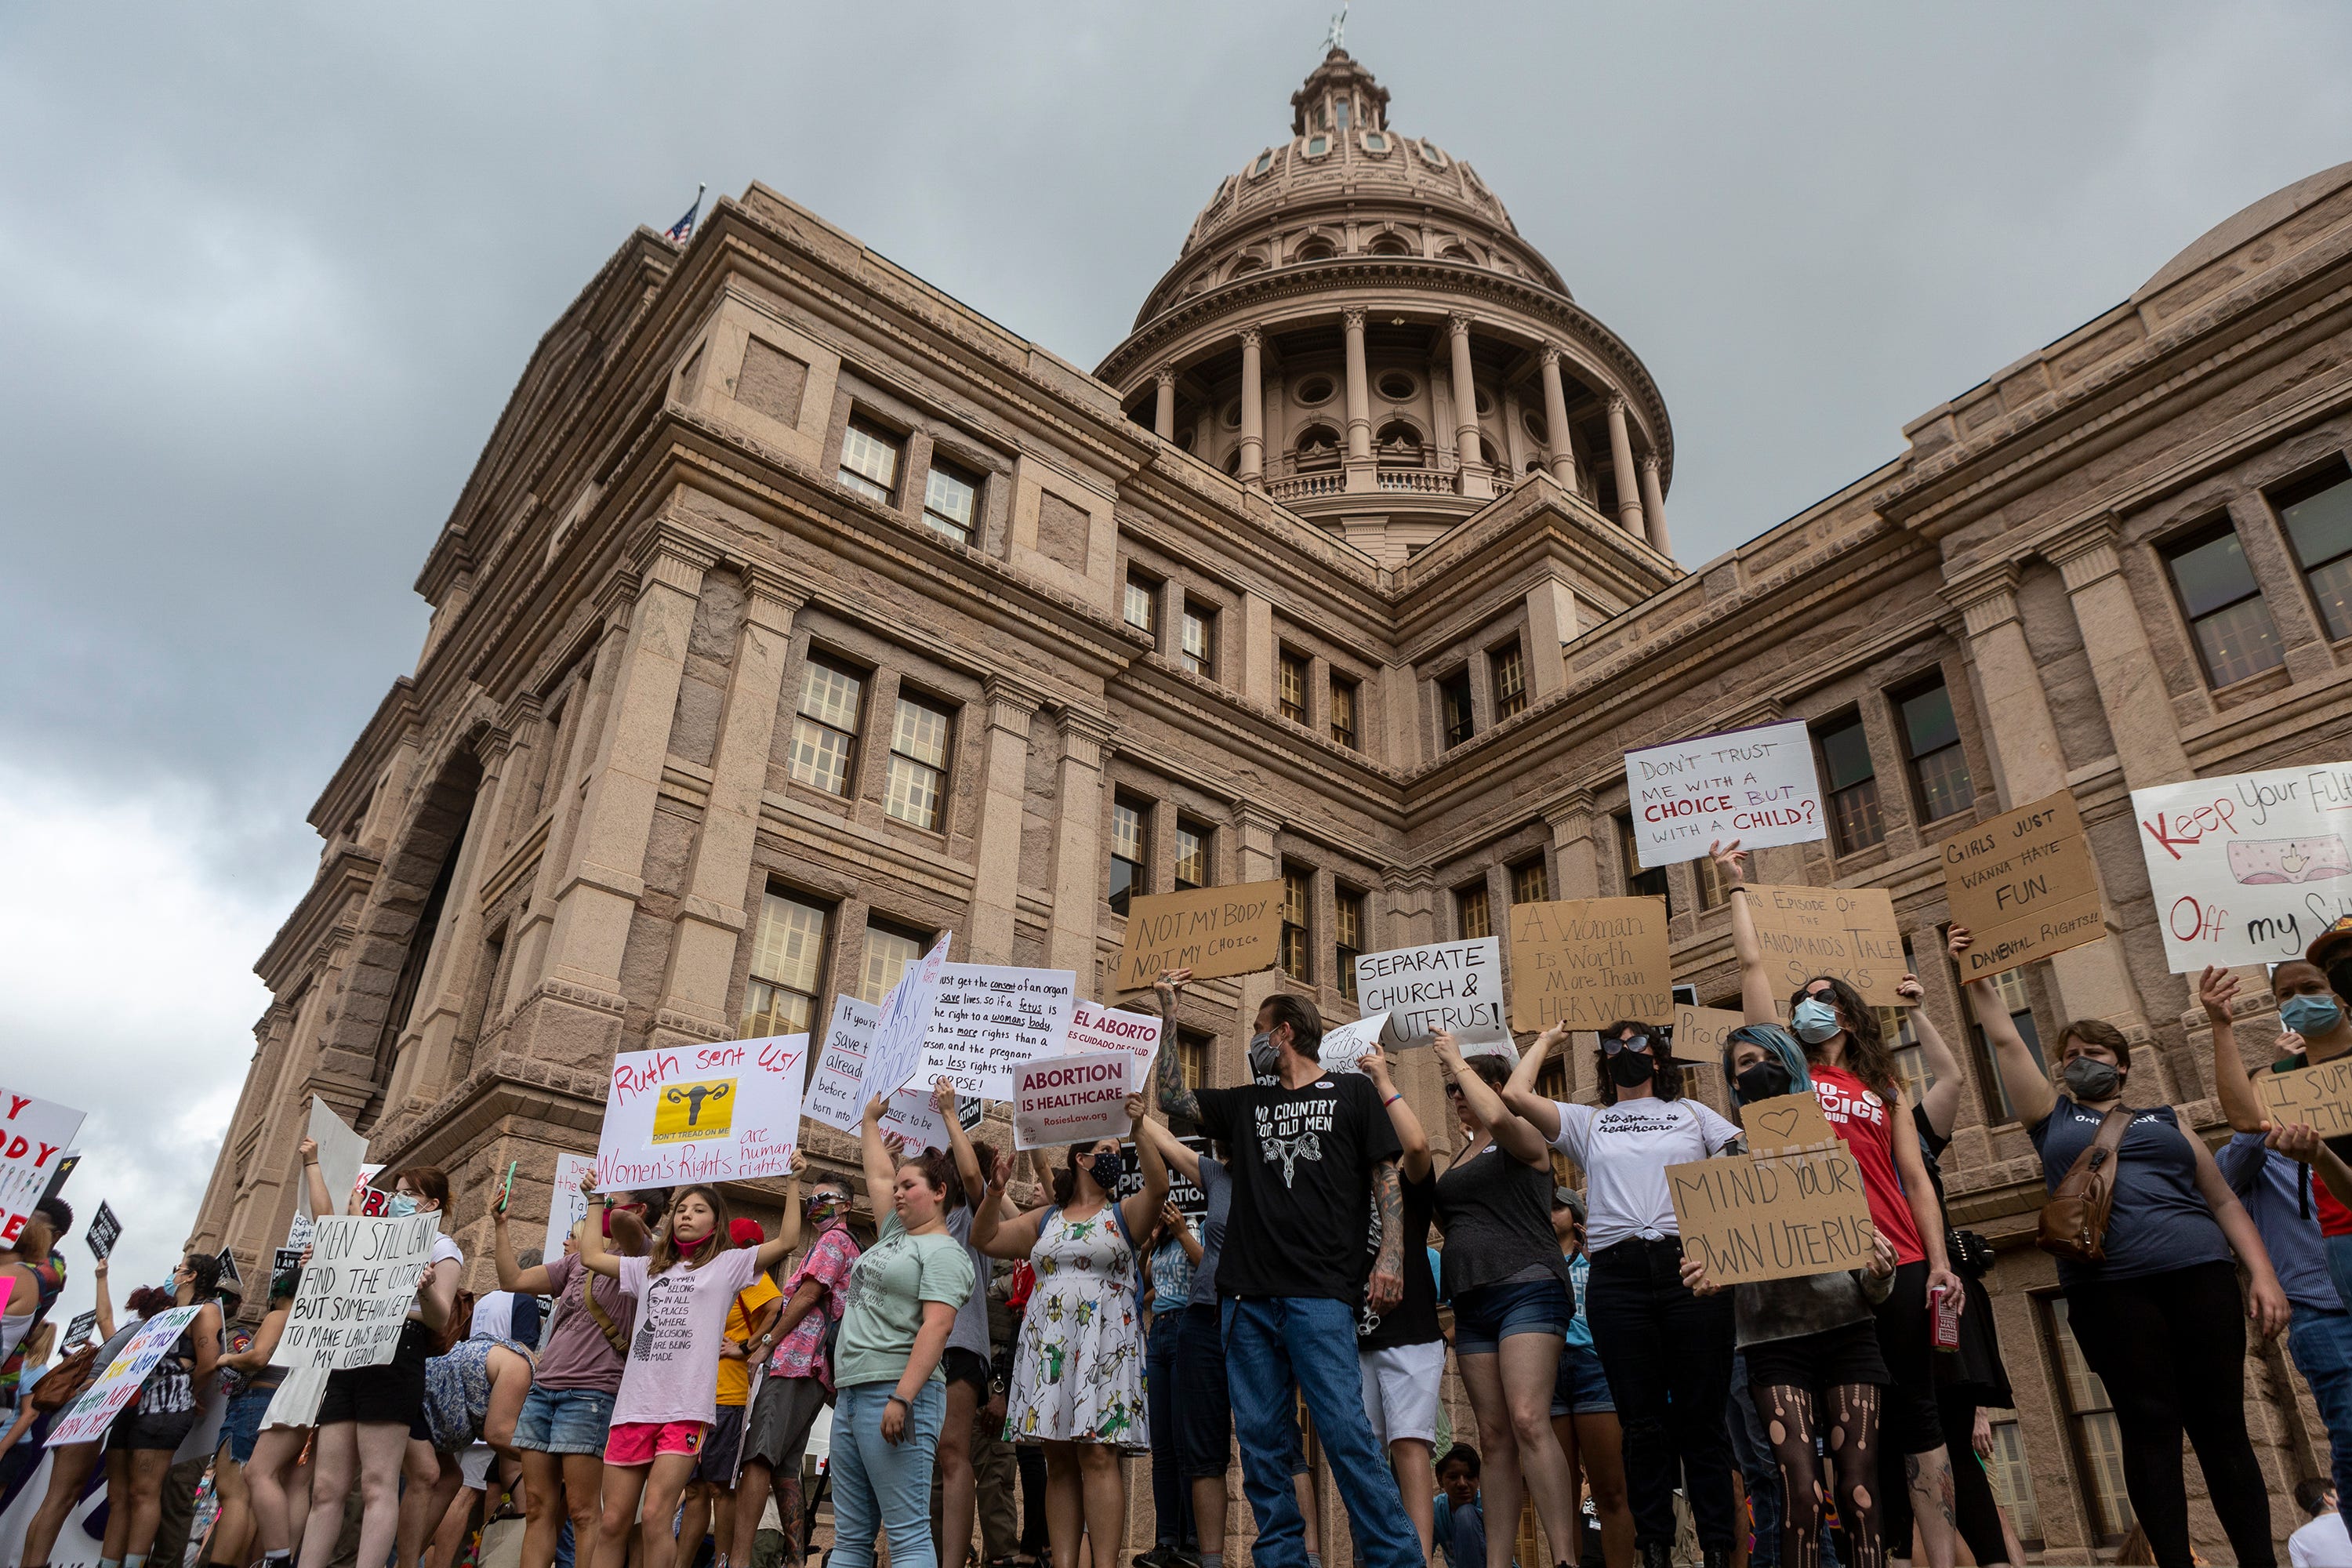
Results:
<point x="2255" y="862"/>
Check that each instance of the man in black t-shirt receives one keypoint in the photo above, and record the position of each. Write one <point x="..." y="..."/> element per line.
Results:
<point x="1312" y="1151"/>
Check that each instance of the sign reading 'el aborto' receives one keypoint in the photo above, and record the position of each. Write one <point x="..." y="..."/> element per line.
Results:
<point x="2317" y="1095"/>
<point x="1212" y="932"/>
<point x="1756" y="785"/>
<point x="1452" y="986"/>
<point x="1750" y="1217"/>
<point x="2023" y="886"/>
<point x="356" y="1291"/>
<point x="2247" y="868"/>
<point x="1586" y="963"/>
<point x="1094" y="1029"/>
<point x="1071" y="1099"/>
<point x="988" y="1018"/>
<point x="723" y="1113"/>
<point x="1844" y="933"/>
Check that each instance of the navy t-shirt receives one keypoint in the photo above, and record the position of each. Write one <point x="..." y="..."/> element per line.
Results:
<point x="2160" y="1221"/>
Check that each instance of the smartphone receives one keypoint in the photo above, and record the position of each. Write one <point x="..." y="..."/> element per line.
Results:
<point x="1946" y="1306"/>
<point x="506" y="1190"/>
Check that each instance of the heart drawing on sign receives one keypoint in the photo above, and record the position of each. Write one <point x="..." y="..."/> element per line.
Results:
<point x="1780" y="1122"/>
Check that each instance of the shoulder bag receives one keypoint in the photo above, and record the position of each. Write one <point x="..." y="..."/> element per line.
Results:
<point x="602" y="1318"/>
<point x="2074" y="1221"/>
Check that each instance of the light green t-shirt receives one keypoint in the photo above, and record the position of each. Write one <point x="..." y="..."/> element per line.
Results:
<point x="883" y="1308"/>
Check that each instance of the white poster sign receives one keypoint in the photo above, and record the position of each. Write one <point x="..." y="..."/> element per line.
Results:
<point x="2247" y="868"/>
<point x="1071" y="1099"/>
<point x="567" y="1205"/>
<point x="833" y="1088"/>
<point x="1452" y="986"/>
<point x="342" y="1154"/>
<point x="1345" y="1045"/>
<point x="87" y="1418"/>
<point x="34" y="1136"/>
<point x="726" y="1112"/>
<point x="989" y="1018"/>
<point x="1756" y="785"/>
<point x="897" y="1053"/>
<point x="355" y="1291"/>
<point x="1094" y="1029"/>
<point x="912" y="1117"/>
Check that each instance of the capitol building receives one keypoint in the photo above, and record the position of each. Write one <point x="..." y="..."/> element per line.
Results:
<point x="795" y="611"/>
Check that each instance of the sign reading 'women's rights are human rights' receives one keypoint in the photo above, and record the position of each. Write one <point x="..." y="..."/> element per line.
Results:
<point x="1756" y="786"/>
<point x="724" y="1112"/>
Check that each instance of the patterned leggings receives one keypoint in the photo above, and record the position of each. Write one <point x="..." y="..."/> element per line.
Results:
<point x="1851" y="1412"/>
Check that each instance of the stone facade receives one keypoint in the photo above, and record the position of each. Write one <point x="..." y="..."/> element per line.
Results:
<point x="796" y="611"/>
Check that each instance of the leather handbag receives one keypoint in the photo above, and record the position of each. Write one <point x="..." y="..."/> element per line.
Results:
<point x="2074" y="1221"/>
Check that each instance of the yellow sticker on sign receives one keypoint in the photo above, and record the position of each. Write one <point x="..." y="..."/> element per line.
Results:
<point x="691" y="1112"/>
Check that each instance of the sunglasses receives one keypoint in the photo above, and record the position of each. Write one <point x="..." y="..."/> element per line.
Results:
<point x="1454" y="1091"/>
<point x="1630" y="1043"/>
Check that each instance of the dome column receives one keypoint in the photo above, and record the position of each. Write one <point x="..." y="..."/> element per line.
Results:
<point x="1476" y="482"/>
<point x="1163" y="411"/>
<point x="1253" y="469"/>
<point x="1360" y="474"/>
<point x="1620" y="456"/>
<point x="1653" y="504"/>
<point x="1563" y="460"/>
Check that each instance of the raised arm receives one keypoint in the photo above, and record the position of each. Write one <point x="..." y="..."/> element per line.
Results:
<point x="1414" y="1161"/>
<point x="2217" y="988"/>
<point x="1756" y="998"/>
<point x="2021" y="1076"/>
<point x="1181" y="1229"/>
<point x="1514" y="1135"/>
<point x="1175" y="1100"/>
<point x="1942" y="1099"/>
<point x="1141" y="1209"/>
<point x="994" y="1235"/>
<point x="255" y="1356"/>
<point x="967" y="1158"/>
<point x="322" y="1202"/>
<point x="1520" y="1094"/>
<point x="105" y="1307"/>
<point x="512" y="1276"/>
<point x="773" y="1250"/>
<point x="1181" y="1156"/>
<point x="2266" y="1301"/>
<point x="595" y="1256"/>
<point x="875" y="1154"/>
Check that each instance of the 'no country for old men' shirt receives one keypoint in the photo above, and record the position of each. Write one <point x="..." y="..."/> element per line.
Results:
<point x="1302" y="1171"/>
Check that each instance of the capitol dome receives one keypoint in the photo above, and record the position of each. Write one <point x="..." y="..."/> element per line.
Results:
<point x="1354" y="325"/>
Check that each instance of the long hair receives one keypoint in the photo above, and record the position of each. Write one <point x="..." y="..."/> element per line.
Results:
<point x="1666" y="1083"/>
<point x="1779" y="1044"/>
<point x="666" y="1251"/>
<point x="204" y="1269"/>
<point x="1867" y="1056"/>
<point x="148" y="1300"/>
<point x="430" y="1181"/>
<point x="1065" y="1180"/>
<point x="460" y="1326"/>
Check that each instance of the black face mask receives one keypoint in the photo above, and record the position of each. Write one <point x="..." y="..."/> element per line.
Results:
<point x="1767" y="1080"/>
<point x="1631" y="1069"/>
<point x="1105" y="1168"/>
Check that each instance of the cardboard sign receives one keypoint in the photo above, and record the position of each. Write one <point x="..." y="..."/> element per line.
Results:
<point x="727" y="1112"/>
<point x="1452" y="986"/>
<point x="2249" y="867"/>
<point x="896" y="1056"/>
<point x="341" y="1155"/>
<point x="1845" y="933"/>
<point x="2024" y="885"/>
<point x="102" y="1232"/>
<point x="567" y="1205"/>
<point x="989" y="1018"/>
<point x="355" y="1291"/>
<point x="1212" y="932"/>
<point x="1785" y="1121"/>
<point x="1756" y="786"/>
<point x="1699" y="1032"/>
<point x="1071" y="1099"/>
<point x="2317" y="1095"/>
<point x="1345" y="1045"/>
<point x="86" y="1420"/>
<point x="34" y="1134"/>
<point x="1094" y="1029"/>
<point x="83" y="1329"/>
<point x="833" y="1088"/>
<point x="1586" y="963"/>
<point x="1751" y="1217"/>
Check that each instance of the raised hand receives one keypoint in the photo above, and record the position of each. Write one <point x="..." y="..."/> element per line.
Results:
<point x="943" y="1095"/>
<point x="1173" y="1218"/>
<point x="1730" y="859"/>
<point x="1000" y="1178"/>
<point x="1136" y="1108"/>
<point x="1170" y="982"/>
<point x="875" y="1112"/>
<point x="1449" y="1047"/>
<point x="799" y="1166"/>
<point x="1374" y="1065"/>
<point x="2217" y="988"/>
<point x="1958" y="941"/>
<point x="309" y="1150"/>
<point x="1909" y="988"/>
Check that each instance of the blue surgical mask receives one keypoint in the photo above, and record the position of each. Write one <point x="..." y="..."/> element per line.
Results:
<point x="1814" y="1021"/>
<point x="401" y="1205"/>
<point x="2309" y="1016"/>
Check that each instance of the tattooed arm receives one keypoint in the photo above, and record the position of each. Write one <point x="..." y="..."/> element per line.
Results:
<point x="1174" y="1098"/>
<point x="1387" y="1285"/>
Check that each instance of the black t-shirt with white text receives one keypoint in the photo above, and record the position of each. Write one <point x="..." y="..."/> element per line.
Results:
<point x="1302" y="1171"/>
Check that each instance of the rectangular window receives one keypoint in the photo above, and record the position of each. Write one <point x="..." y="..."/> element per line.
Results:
<point x="2011" y="985"/>
<point x="1290" y="684"/>
<point x="825" y="732"/>
<point x="869" y="462"/>
<point x="1470" y="913"/>
<point x="1530" y="883"/>
<point x="2318" y="514"/>
<point x="1939" y="767"/>
<point x="917" y="790"/>
<point x="888" y="951"/>
<point x="952" y="501"/>
<point x="2091" y="1424"/>
<point x="1297" y="899"/>
<point x="1194" y="846"/>
<point x="787" y="966"/>
<point x="1509" y="666"/>
<point x="1143" y="604"/>
<point x="1200" y="641"/>
<point x="1454" y="707"/>
<point x="1639" y="883"/>
<point x="2232" y="626"/>
<point x="1851" y="780"/>
<point x="2012" y="1477"/>
<point x="1130" y="851"/>
<point x="1348" y="932"/>
<point x="1192" y="1048"/>
<point x="1343" y="712"/>
<point x="1710" y="883"/>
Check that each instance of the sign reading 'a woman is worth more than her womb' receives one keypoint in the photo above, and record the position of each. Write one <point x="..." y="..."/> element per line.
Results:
<point x="723" y="1113"/>
<point x="2249" y="868"/>
<point x="1755" y="785"/>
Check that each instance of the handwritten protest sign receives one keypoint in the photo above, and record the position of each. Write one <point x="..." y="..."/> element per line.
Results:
<point x="2317" y="1095"/>
<point x="1785" y="1121"/>
<point x="1845" y="933"/>
<point x="1586" y="963"/>
<point x="1699" y="1032"/>
<point x="2024" y="885"/>
<point x="1094" y="1029"/>
<point x="102" y="1232"/>
<point x="913" y="1118"/>
<point x="833" y="1088"/>
<point x="341" y="1154"/>
<point x="989" y="1018"/>
<point x="726" y="1112"/>
<point x="1452" y="986"/>
<point x="1070" y="1099"/>
<point x="896" y="1055"/>
<point x="1756" y="785"/>
<point x="1345" y="1045"/>
<point x="1750" y="1217"/>
<point x="87" y="1419"/>
<point x="1212" y="932"/>
<point x="355" y="1291"/>
<point x="33" y="1134"/>
<point x="2247" y="868"/>
<point x="567" y="1205"/>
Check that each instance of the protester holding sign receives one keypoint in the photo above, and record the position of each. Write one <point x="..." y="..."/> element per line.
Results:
<point x="142" y="1439"/>
<point x="1667" y="1351"/>
<point x="966" y="1359"/>
<point x="799" y="1381"/>
<point x="36" y="1271"/>
<point x="2159" y="1319"/>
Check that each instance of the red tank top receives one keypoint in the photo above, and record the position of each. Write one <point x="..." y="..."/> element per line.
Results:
<point x="1861" y="1119"/>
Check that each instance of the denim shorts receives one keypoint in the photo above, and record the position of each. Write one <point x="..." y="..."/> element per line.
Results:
<point x="1485" y="1318"/>
<point x="1581" y="1388"/>
<point x="565" y="1421"/>
<point x="241" y="1425"/>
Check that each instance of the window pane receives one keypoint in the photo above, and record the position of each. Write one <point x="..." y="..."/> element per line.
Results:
<point x="772" y="1010"/>
<point x="1191" y="857"/>
<point x="870" y="462"/>
<point x="2321" y="526"/>
<point x="1454" y="700"/>
<point x="1298" y="887"/>
<point x="790" y="944"/>
<point x="1470" y="908"/>
<point x="922" y="733"/>
<point x="1854" y="813"/>
<point x="1511" y="682"/>
<point x="2332" y="586"/>
<point x="948" y="503"/>
<point x="1126" y="831"/>
<point x="915" y="793"/>
<point x="819" y="756"/>
<point x="1200" y="643"/>
<point x="2213" y="573"/>
<point x="2013" y="1479"/>
<point x="888" y="954"/>
<point x="1846" y="753"/>
<point x="1292" y="679"/>
<point x="1639" y="883"/>
<point x="1141" y="609"/>
<point x="1347" y="920"/>
<point x="831" y="695"/>
<point x="2238" y="642"/>
<point x="1927" y="721"/>
<point x="1343" y="712"/>
<point x="1945" y="786"/>
<point x="1530" y="883"/>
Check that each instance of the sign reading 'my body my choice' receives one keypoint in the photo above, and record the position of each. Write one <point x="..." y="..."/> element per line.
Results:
<point x="1755" y="785"/>
<point x="2247" y="868"/>
<point x="356" y="1291"/>
<point x="701" y="1113"/>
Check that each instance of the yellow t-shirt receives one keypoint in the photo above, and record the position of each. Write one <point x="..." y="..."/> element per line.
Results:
<point x="735" y="1376"/>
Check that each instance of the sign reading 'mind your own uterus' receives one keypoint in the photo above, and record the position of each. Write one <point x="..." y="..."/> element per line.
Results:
<point x="2247" y="868"/>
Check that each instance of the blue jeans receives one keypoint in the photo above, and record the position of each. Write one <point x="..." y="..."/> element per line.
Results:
<point x="2321" y="1346"/>
<point x="879" y="1486"/>
<point x="1273" y="1345"/>
<point x="1172" y="1496"/>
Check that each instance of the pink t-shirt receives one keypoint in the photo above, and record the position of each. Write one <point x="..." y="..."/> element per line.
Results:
<point x="673" y="1371"/>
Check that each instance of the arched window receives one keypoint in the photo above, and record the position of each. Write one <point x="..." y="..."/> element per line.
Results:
<point x="1315" y="249"/>
<point x="1533" y="423"/>
<point x="1318" y="440"/>
<point x="1397" y="442"/>
<point x="1455" y="253"/>
<point x="1233" y="461"/>
<point x="1248" y="264"/>
<point x="1391" y="245"/>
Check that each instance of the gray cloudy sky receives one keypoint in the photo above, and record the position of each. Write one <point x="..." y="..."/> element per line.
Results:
<point x="268" y="274"/>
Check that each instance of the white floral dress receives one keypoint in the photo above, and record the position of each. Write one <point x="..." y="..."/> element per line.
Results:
<point x="1077" y="1374"/>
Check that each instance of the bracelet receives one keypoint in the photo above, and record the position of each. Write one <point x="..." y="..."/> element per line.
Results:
<point x="1391" y="1099"/>
<point x="1738" y="887"/>
<point x="901" y="1399"/>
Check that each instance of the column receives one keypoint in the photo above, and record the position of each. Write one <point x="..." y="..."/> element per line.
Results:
<point x="1476" y="480"/>
<point x="1570" y="818"/>
<point x="1551" y="623"/>
<point x="1163" y="410"/>
<point x="1253" y="471"/>
<point x="710" y="915"/>
<point x="1620" y="455"/>
<point x="996" y="850"/>
<point x="1554" y="395"/>
<point x="2139" y="709"/>
<point x="1256" y="827"/>
<point x="1359" y="401"/>
<point x="1077" y="848"/>
<point x="528" y="943"/>
<point x="421" y="1061"/>
<point x="1653" y="505"/>
<point x="1256" y="661"/>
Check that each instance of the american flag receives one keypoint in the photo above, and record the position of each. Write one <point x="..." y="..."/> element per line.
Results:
<point x="683" y="229"/>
